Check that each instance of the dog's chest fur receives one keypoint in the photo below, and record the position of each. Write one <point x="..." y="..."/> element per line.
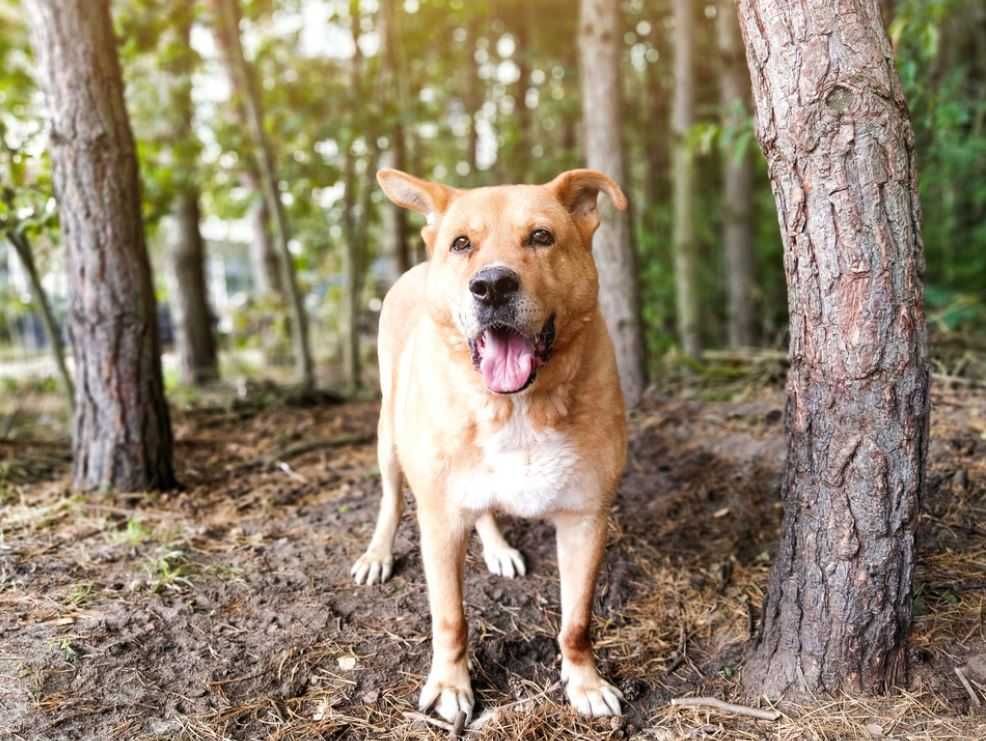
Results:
<point x="522" y="470"/>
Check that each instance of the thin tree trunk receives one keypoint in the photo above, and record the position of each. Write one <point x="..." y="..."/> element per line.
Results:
<point x="351" y="254"/>
<point x="834" y="127"/>
<point x="24" y="251"/>
<point x="397" y="219"/>
<point x="600" y="43"/>
<point x="242" y="78"/>
<point x="122" y="430"/>
<point x="683" y="239"/>
<point x="195" y="336"/>
<point x="521" y="154"/>
<point x="737" y="183"/>
<point x="265" y="264"/>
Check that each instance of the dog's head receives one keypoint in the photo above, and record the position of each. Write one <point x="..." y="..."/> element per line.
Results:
<point x="511" y="268"/>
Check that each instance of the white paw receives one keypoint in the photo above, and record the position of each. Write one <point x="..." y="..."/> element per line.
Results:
<point x="504" y="561"/>
<point x="372" y="567"/>
<point x="449" y="697"/>
<point x="590" y="694"/>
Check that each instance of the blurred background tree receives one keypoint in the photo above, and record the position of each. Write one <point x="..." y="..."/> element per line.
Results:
<point x="470" y="93"/>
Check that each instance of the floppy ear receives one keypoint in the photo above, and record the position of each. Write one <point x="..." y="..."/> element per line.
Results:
<point x="423" y="196"/>
<point x="578" y="191"/>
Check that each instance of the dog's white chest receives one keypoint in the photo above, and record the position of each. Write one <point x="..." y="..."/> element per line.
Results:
<point x="523" y="471"/>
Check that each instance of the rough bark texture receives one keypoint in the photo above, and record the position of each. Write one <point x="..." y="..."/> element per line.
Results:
<point x="834" y="127"/>
<point x="683" y="181"/>
<point x="600" y="44"/>
<point x="737" y="183"/>
<point x="121" y="430"/>
<point x="227" y="17"/>
<point x="194" y="333"/>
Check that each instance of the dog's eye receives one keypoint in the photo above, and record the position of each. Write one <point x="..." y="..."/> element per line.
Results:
<point x="460" y="244"/>
<point x="542" y="238"/>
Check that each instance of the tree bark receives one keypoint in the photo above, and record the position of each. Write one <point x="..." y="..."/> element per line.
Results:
<point x="244" y="84"/>
<point x="600" y="43"/>
<point x="834" y="127"/>
<point x="121" y="429"/>
<point x="397" y="219"/>
<point x="22" y="246"/>
<point x="737" y="183"/>
<point x="194" y="333"/>
<point x="264" y="261"/>
<point x="683" y="238"/>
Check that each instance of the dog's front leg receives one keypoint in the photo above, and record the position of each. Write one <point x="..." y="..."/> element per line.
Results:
<point x="581" y="540"/>
<point x="443" y="551"/>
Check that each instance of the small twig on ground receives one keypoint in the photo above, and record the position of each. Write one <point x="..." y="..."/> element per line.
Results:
<point x="309" y="446"/>
<point x="500" y="710"/>
<point x="429" y="720"/>
<point x="726" y="707"/>
<point x="973" y="697"/>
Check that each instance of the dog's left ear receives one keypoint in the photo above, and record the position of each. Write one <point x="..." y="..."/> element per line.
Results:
<point x="578" y="191"/>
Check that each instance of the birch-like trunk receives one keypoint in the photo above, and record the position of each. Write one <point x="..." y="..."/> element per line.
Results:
<point x="241" y="74"/>
<point x="737" y="183"/>
<point x="600" y="45"/>
<point x="684" y="241"/>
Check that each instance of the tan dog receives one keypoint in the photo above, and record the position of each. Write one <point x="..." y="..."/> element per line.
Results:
<point x="500" y="393"/>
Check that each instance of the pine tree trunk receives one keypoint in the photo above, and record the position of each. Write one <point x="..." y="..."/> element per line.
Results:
<point x="684" y="242"/>
<point x="195" y="338"/>
<point x="834" y="127"/>
<point x="600" y="44"/>
<point x="121" y="429"/>
<point x="265" y="265"/>
<point x="737" y="183"/>
<point x="397" y="219"/>
<point x="227" y="18"/>
<point x="194" y="333"/>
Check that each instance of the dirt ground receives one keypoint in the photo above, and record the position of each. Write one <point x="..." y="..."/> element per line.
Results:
<point x="226" y="610"/>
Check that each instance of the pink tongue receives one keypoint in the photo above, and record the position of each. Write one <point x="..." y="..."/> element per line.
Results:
<point x="506" y="360"/>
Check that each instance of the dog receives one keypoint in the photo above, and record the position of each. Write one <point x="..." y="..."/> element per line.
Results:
<point x="500" y="393"/>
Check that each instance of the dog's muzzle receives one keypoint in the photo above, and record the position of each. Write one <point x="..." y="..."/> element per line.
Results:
<point x="508" y="358"/>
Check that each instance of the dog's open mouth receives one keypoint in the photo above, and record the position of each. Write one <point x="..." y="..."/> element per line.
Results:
<point x="509" y="360"/>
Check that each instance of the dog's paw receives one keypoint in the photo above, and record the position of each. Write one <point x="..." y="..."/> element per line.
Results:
<point x="504" y="561"/>
<point x="372" y="567"/>
<point x="448" y="695"/>
<point x="590" y="694"/>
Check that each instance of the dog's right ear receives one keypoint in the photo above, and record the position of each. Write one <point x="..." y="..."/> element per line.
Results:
<point x="423" y="196"/>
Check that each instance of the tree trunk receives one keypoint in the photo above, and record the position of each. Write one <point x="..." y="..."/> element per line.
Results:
<point x="23" y="249"/>
<point x="683" y="239"/>
<point x="521" y="154"/>
<point x="737" y="183"/>
<point x="600" y="44"/>
<point x="194" y="333"/>
<point x="121" y="430"/>
<point x="195" y="338"/>
<point x="397" y="219"/>
<point x="264" y="261"/>
<point x="244" y="84"/>
<point x="834" y="127"/>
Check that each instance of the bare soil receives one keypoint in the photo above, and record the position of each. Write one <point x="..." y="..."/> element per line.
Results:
<point x="226" y="610"/>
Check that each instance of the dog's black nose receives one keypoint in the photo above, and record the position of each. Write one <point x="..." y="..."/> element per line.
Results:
<point x="494" y="286"/>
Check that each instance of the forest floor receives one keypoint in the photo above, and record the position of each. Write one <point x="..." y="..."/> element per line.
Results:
<point x="226" y="610"/>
